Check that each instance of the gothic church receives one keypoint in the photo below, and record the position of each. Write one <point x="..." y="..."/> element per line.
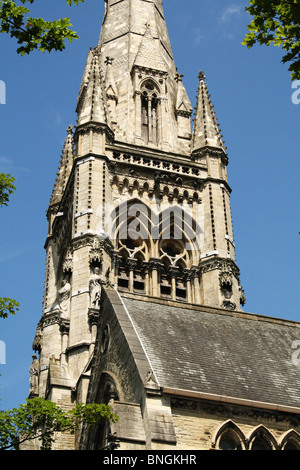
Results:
<point x="142" y="306"/>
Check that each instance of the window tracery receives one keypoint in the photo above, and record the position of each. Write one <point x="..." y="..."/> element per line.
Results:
<point x="149" y="102"/>
<point x="155" y="258"/>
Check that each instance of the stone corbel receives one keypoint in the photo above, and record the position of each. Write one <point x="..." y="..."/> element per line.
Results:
<point x="151" y="385"/>
<point x="64" y="326"/>
<point x="226" y="283"/>
<point x="173" y="271"/>
<point x="93" y="316"/>
<point x="96" y="256"/>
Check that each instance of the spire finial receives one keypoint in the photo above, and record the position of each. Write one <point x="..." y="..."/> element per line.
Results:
<point x="109" y="60"/>
<point x="201" y="75"/>
<point x="70" y="130"/>
<point x="178" y="76"/>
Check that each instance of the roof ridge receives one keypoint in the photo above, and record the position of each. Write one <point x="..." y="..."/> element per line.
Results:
<point x="211" y="310"/>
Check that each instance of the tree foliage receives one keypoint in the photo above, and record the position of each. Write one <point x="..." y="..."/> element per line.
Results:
<point x="276" y="22"/>
<point x="7" y="306"/>
<point x="41" y="419"/>
<point x="34" y="33"/>
<point x="7" y="187"/>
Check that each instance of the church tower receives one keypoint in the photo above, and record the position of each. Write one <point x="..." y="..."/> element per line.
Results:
<point x="140" y="248"/>
<point x="141" y="201"/>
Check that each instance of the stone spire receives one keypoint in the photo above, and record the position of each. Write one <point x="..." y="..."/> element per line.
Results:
<point x="206" y="132"/>
<point x="124" y="23"/>
<point x="135" y="41"/>
<point x="65" y="168"/>
<point x="91" y="104"/>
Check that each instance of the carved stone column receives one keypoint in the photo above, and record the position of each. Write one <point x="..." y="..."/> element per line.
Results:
<point x="64" y="327"/>
<point x="173" y="273"/>
<point x="145" y="270"/>
<point x="150" y="134"/>
<point x="131" y="263"/>
<point x="196" y="296"/>
<point x="155" y="270"/>
<point x="188" y="277"/>
<point x="116" y="260"/>
<point x="93" y="318"/>
<point x="138" y="112"/>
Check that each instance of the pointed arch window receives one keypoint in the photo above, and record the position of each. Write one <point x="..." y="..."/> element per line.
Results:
<point x="174" y="259"/>
<point x="229" y="441"/>
<point x="292" y="445"/>
<point x="149" y="111"/>
<point x="262" y="439"/>
<point x="100" y="436"/>
<point x="153" y="253"/>
<point x="290" y="441"/>
<point x="261" y="443"/>
<point x="229" y="437"/>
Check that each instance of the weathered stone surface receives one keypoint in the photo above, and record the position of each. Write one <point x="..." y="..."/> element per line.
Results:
<point x="152" y="324"/>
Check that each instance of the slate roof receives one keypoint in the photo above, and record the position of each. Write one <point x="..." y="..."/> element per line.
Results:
<point x="245" y="356"/>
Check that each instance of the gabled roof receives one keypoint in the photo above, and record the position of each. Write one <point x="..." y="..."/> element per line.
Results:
<point x="149" y="54"/>
<point x="244" y="356"/>
<point x="183" y="104"/>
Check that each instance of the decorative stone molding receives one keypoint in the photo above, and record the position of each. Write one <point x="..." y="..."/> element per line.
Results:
<point x="96" y="127"/>
<point x="229" y="305"/>
<point x="155" y="263"/>
<point x="255" y="415"/>
<point x="37" y="342"/>
<point x="189" y="275"/>
<point x="150" y="161"/>
<point x="220" y="264"/>
<point x="91" y="239"/>
<point x="93" y="316"/>
<point x="211" y="152"/>
<point x="64" y="326"/>
<point x="50" y="319"/>
<point x="68" y="262"/>
<point x="96" y="252"/>
<point x="226" y="282"/>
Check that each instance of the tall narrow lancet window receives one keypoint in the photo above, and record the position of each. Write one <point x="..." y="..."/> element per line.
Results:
<point x="150" y="113"/>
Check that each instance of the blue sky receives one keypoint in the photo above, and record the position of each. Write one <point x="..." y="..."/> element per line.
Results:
<point x="251" y="91"/>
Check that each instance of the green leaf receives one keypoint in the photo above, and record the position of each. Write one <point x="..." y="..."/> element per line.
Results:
<point x="35" y="33"/>
<point x="276" y="22"/>
<point x="40" y="419"/>
<point x="8" y="307"/>
<point x="7" y="187"/>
